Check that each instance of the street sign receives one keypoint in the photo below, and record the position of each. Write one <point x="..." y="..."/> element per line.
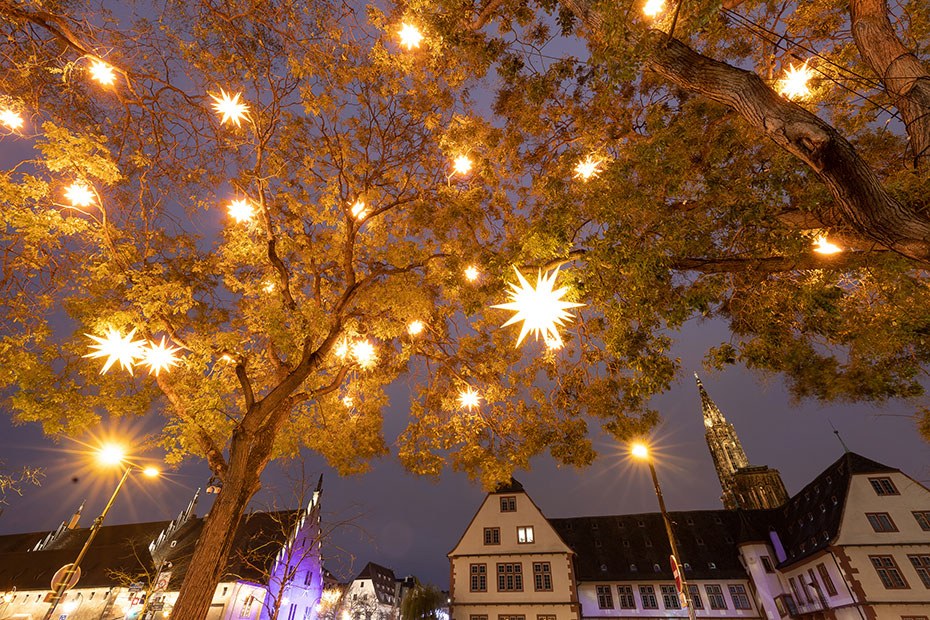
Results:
<point x="135" y="587"/>
<point x="157" y="606"/>
<point x="58" y="579"/>
<point x="163" y="580"/>
<point x="676" y="572"/>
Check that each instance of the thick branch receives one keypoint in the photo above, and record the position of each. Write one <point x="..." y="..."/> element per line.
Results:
<point x="905" y="78"/>
<point x="52" y="23"/>
<point x="772" y="264"/>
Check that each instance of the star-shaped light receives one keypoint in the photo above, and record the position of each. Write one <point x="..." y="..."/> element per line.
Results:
<point x="469" y="398"/>
<point x="410" y="36"/>
<point x="653" y="7"/>
<point x="11" y="119"/>
<point x="241" y="210"/>
<point x="462" y="164"/>
<point x="472" y="273"/>
<point x="794" y="84"/>
<point x="230" y="107"/>
<point x="364" y="353"/>
<point x="268" y="286"/>
<point x="79" y="195"/>
<point x="342" y="349"/>
<point x="541" y="309"/>
<point x="587" y="168"/>
<point x="358" y="210"/>
<point x="159" y="356"/>
<point x="102" y="73"/>
<point x="822" y="246"/>
<point x="415" y="328"/>
<point x="117" y="348"/>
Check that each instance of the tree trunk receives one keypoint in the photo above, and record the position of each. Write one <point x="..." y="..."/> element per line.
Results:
<point x="905" y="78"/>
<point x="208" y="564"/>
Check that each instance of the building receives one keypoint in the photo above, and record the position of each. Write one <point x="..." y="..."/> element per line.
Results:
<point x="135" y="570"/>
<point x="374" y="594"/>
<point x="852" y="544"/>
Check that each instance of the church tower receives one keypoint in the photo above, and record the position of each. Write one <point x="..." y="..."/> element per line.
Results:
<point x="744" y="486"/>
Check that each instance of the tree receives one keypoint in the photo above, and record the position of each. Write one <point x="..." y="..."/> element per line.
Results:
<point x="340" y="267"/>
<point x="12" y="482"/>
<point x="422" y="602"/>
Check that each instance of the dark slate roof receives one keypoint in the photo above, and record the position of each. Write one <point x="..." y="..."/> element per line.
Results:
<point x="382" y="579"/>
<point x="627" y="547"/>
<point x="811" y="518"/>
<point x="124" y="548"/>
<point x="120" y="548"/>
<point x="509" y="487"/>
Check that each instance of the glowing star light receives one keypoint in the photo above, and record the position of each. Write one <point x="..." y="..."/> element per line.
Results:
<point x="462" y="164"/>
<point x="230" y="108"/>
<point x="79" y="195"/>
<point x="469" y="398"/>
<point x="10" y="119"/>
<point x="541" y="309"/>
<point x="415" y="328"/>
<point x="241" y="210"/>
<point x="794" y="84"/>
<point x="102" y="73"/>
<point x="587" y="168"/>
<point x="117" y="348"/>
<point x="358" y="210"/>
<point x="652" y="8"/>
<point x="472" y="274"/>
<point x="822" y="246"/>
<point x="364" y="353"/>
<point x="410" y="36"/>
<point x="159" y="356"/>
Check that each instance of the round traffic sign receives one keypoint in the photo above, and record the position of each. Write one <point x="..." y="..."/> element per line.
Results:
<point x="58" y="579"/>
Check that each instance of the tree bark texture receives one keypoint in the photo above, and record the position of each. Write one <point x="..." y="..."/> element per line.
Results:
<point x="865" y="205"/>
<point x="905" y="78"/>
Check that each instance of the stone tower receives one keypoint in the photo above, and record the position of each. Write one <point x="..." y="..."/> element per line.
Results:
<point x="744" y="485"/>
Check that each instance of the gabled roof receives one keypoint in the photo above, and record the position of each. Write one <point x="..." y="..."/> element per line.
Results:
<point x="383" y="580"/>
<point x="509" y="487"/>
<point x="629" y="547"/>
<point x="810" y="520"/>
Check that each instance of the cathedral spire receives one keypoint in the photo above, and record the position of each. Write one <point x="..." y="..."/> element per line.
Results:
<point x="743" y="486"/>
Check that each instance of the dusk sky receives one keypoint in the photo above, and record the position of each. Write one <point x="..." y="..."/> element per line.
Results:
<point x="409" y="523"/>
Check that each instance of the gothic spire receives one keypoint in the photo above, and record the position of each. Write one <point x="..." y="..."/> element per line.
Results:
<point x="712" y="414"/>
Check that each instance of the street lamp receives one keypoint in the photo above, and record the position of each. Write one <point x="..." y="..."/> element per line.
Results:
<point x="110" y="454"/>
<point x="640" y="451"/>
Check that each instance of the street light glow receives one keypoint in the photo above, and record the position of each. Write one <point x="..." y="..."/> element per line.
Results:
<point x="640" y="450"/>
<point x="410" y="36"/>
<point x="111" y="454"/>
<point x="151" y="472"/>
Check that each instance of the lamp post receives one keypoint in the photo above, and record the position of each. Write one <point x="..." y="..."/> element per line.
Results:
<point x="640" y="451"/>
<point x="109" y="455"/>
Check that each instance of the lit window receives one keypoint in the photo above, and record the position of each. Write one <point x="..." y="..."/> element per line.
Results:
<point x="881" y="522"/>
<point x="605" y="599"/>
<point x="525" y="534"/>
<point x="508" y="504"/>
<point x="883" y="486"/>
<point x="888" y="572"/>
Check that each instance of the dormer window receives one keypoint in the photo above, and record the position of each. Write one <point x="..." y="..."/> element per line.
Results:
<point x="633" y="568"/>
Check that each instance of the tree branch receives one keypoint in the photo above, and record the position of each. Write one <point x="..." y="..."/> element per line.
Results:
<point x="773" y="264"/>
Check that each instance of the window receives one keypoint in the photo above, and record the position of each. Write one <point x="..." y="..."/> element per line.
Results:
<point x="825" y="578"/>
<point x="913" y="617"/>
<point x="923" y="519"/>
<point x="479" y="578"/>
<point x="715" y="597"/>
<point x="605" y="600"/>
<point x="883" y="486"/>
<point x="696" y="601"/>
<point x="308" y="611"/>
<point x="767" y="564"/>
<point x="511" y="617"/>
<point x="510" y="577"/>
<point x="656" y="568"/>
<point x="812" y="580"/>
<point x="648" y="594"/>
<point x="492" y="535"/>
<point x="545" y="616"/>
<point x="888" y="572"/>
<point x="246" y="611"/>
<point x="525" y="534"/>
<point x="478" y="617"/>
<point x="922" y="566"/>
<point x="308" y="578"/>
<point x="670" y="597"/>
<point x="625" y="594"/>
<point x="542" y="576"/>
<point x="738" y="594"/>
<point x="292" y="612"/>
<point x="881" y="522"/>
<point x="786" y="605"/>
<point x="508" y="504"/>
<point x="794" y="589"/>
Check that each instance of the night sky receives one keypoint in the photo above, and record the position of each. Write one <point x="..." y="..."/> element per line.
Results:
<point x="409" y="523"/>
